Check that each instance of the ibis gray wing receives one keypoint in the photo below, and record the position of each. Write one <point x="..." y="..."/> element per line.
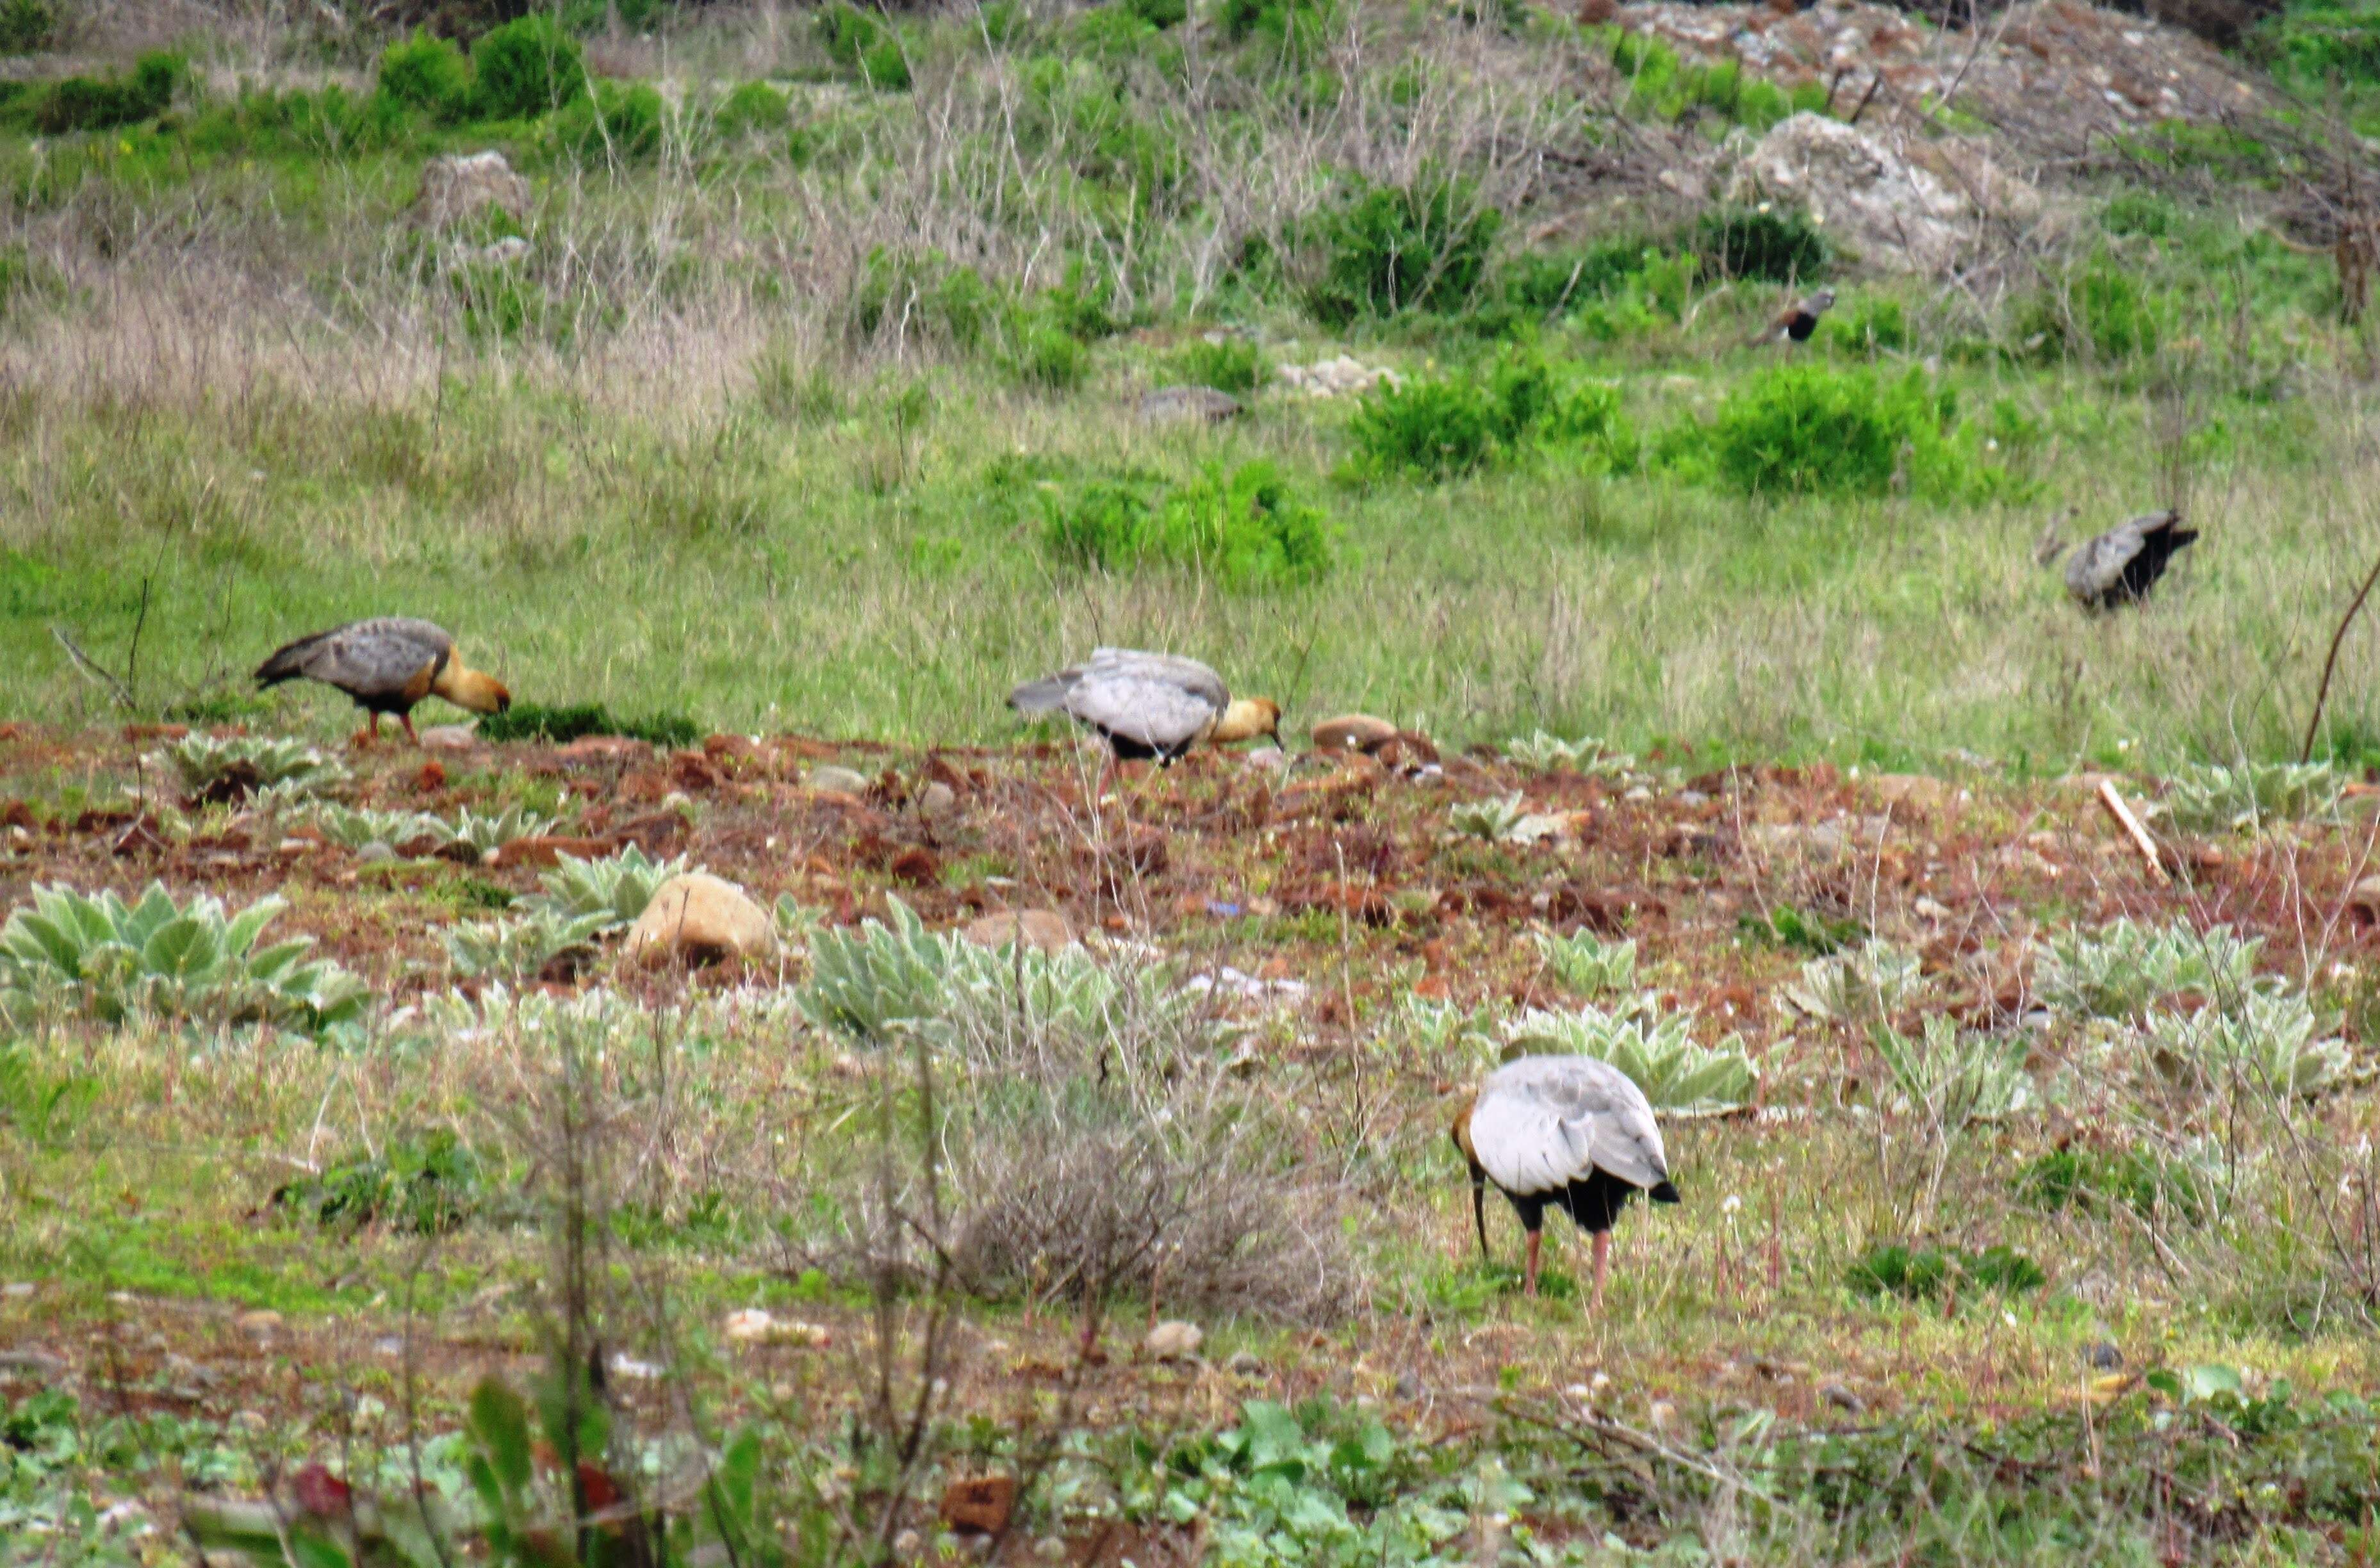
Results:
<point x="1552" y="1119"/>
<point x="2098" y="566"/>
<point x="1145" y="707"/>
<point x="377" y="658"/>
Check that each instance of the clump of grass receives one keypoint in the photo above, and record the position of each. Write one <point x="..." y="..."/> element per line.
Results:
<point x="2153" y="1185"/>
<point x="92" y="104"/>
<point x="1440" y="427"/>
<point x="427" y="75"/>
<point x="1244" y="524"/>
<point x="1955" y="1078"/>
<point x="1767" y="244"/>
<point x="428" y="1185"/>
<point x="1390" y="249"/>
<point x="1234" y="365"/>
<point x="1928" y="1274"/>
<point x="1809" y="429"/>
<point x="867" y="47"/>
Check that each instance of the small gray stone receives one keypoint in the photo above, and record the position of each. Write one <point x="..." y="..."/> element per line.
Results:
<point x="1244" y="1363"/>
<point x="1693" y="798"/>
<point x="1202" y="404"/>
<point x="375" y="852"/>
<point x="843" y="781"/>
<point x="2104" y="1357"/>
<point x="1841" y="1396"/>
<point x="937" y="800"/>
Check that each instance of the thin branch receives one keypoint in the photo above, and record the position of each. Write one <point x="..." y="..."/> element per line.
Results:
<point x="97" y="672"/>
<point x="2330" y="663"/>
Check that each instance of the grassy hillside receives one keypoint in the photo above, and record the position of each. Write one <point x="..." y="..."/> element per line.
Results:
<point x="811" y="402"/>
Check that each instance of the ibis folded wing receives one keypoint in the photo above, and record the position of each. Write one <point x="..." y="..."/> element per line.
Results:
<point x="1544" y="1122"/>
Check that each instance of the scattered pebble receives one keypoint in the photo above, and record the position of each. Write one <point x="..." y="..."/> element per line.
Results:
<point x="841" y="781"/>
<point x="1841" y="1396"/>
<point x="2104" y="1357"/>
<point x="1244" y="1364"/>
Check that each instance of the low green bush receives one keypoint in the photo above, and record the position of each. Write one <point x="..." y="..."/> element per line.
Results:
<point x="527" y="67"/>
<point x="2101" y="312"/>
<point x="80" y="104"/>
<point x="1438" y="427"/>
<point x="27" y="25"/>
<point x="1768" y="243"/>
<point x="105" y="959"/>
<point x="1234" y="365"/>
<point x="866" y="46"/>
<point x="1808" y="428"/>
<point x="1290" y="29"/>
<point x="428" y="75"/>
<point x="1927" y="1274"/>
<point x="426" y="1185"/>
<point x="533" y="720"/>
<point x="1389" y="249"/>
<point x="613" y="123"/>
<point x="2150" y="1184"/>
<point x="1245" y="525"/>
<point x="756" y="108"/>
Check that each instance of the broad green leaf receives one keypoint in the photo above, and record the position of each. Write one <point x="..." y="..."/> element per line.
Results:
<point x="181" y="949"/>
<point x="498" y="1423"/>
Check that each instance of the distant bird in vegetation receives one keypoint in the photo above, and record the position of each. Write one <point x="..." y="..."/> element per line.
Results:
<point x="2123" y="564"/>
<point x="387" y="664"/>
<point x="1569" y="1131"/>
<point x="1148" y="705"/>
<point x="1796" y="322"/>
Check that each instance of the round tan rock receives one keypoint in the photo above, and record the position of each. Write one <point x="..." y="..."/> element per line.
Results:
<point x="1044" y="929"/>
<point x="699" y="918"/>
<point x="1353" y="732"/>
<point x="1173" y="1340"/>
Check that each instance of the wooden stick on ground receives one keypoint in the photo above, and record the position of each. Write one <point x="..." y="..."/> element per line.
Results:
<point x="2110" y="797"/>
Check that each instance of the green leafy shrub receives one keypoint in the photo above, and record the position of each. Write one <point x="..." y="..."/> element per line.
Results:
<point x="1490" y="819"/>
<point x="1773" y="244"/>
<point x="2103" y="313"/>
<point x="1542" y="285"/>
<point x="538" y="941"/>
<point x="1438" y="427"/>
<point x="755" y="108"/>
<point x="1389" y="249"/>
<point x="864" y="46"/>
<point x="1800" y="930"/>
<point x="619" y="123"/>
<point x="882" y="980"/>
<point x="2262" y="1037"/>
<point x="1244" y="524"/>
<point x="2117" y="970"/>
<point x="1544" y="753"/>
<point x="1587" y="963"/>
<point x="485" y="833"/>
<point x="356" y="826"/>
<point x="27" y="25"/>
<point x="533" y="721"/>
<point x="1290" y="29"/>
<point x="2253" y="795"/>
<point x="1809" y="429"/>
<point x="111" y="961"/>
<point x="1234" y="365"/>
<point x="2148" y="1183"/>
<point x="1954" y="1077"/>
<point x="1925" y="1274"/>
<point x="1873" y="324"/>
<point x="1680" y="1077"/>
<point x="428" y="75"/>
<point x="617" y="887"/>
<point x="527" y="67"/>
<point x="428" y="1185"/>
<point x="216" y="770"/>
<point x="79" y="102"/>
<point x="1160" y="14"/>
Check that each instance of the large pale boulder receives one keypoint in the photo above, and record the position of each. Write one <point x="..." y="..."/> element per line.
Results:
<point x="460" y="186"/>
<point x="699" y="918"/>
<point x="1896" y="214"/>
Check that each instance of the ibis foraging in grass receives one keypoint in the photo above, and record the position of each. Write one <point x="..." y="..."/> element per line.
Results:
<point x="1571" y="1132"/>
<point x="1148" y="705"/>
<point x="387" y="664"/>
<point x="2123" y="564"/>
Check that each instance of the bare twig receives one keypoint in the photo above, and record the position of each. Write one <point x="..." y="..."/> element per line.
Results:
<point x="92" y="667"/>
<point x="2330" y="662"/>
<point x="2113" y="800"/>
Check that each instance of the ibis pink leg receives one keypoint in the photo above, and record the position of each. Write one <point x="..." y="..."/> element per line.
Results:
<point x="1602" y="1264"/>
<point x="1530" y="1285"/>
